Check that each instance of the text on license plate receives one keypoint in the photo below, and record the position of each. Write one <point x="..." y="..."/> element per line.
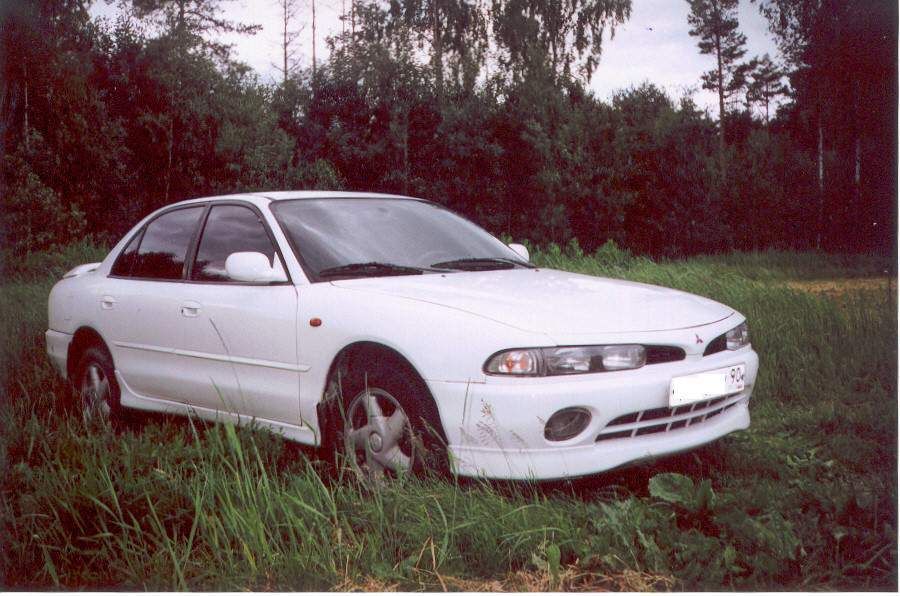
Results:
<point x="706" y="385"/>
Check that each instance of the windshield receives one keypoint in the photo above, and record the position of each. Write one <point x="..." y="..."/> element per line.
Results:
<point x="360" y="237"/>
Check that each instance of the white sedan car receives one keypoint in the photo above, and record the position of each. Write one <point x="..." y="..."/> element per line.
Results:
<point x="395" y="332"/>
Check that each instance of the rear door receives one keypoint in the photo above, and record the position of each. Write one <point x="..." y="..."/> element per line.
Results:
<point x="240" y="339"/>
<point x="139" y="305"/>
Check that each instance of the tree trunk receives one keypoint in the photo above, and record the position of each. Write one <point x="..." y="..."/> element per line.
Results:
<point x="406" y="150"/>
<point x="721" y="90"/>
<point x="284" y="40"/>
<point x="437" y="52"/>
<point x="314" y="40"/>
<point x="821" y="159"/>
<point x="721" y="81"/>
<point x="27" y="132"/>
<point x="170" y="147"/>
<point x="553" y="56"/>
<point x="857" y="151"/>
<point x="180" y="24"/>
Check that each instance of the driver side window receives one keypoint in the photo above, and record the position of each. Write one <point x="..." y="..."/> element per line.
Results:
<point x="230" y="229"/>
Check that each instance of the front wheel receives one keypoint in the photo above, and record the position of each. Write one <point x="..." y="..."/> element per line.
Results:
<point x="390" y="425"/>
<point x="378" y="436"/>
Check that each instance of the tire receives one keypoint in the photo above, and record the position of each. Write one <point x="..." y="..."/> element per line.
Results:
<point x="388" y="424"/>
<point x="97" y="395"/>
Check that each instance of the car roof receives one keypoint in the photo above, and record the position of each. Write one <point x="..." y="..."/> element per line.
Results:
<point x="284" y="195"/>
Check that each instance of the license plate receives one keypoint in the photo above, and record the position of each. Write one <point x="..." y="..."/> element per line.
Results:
<point x="706" y="385"/>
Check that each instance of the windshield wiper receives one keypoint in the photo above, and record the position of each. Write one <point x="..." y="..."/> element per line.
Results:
<point x="482" y="264"/>
<point x="371" y="269"/>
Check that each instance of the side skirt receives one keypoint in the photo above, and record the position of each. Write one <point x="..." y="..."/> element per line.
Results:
<point x="130" y="399"/>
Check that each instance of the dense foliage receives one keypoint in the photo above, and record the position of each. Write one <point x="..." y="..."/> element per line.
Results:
<point x="804" y="500"/>
<point x="483" y="107"/>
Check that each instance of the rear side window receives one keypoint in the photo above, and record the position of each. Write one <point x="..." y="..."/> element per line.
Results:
<point x="229" y="229"/>
<point x="163" y="247"/>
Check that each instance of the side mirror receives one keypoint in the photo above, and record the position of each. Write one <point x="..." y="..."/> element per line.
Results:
<point x="520" y="250"/>
<point x="253" y="267"/>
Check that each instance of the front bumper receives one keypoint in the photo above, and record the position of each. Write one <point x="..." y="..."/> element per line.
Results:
<point x="495" y="429"/>
<point x="58" y="350"/>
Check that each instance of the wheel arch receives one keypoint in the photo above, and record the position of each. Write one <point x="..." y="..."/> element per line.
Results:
<point x="350" y="356"/>
<point x="84" y="338"/>
<point x="354" y="353"/>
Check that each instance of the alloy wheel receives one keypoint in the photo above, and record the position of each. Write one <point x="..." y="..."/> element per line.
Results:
<point x="95" y="393"/>
<point x="378" y="437"/>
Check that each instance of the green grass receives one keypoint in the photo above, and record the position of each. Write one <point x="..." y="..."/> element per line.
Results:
<point x="806" y="499"/>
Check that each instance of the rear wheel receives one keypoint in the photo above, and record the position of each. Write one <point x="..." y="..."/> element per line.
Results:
<point x="96" y="389"/>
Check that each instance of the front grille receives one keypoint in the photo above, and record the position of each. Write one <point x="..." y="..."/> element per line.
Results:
<point x="660" y="420"/>
<point x="660" y="354"/>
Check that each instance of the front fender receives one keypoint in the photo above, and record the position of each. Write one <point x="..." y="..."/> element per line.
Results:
<point x="441" y="343"/>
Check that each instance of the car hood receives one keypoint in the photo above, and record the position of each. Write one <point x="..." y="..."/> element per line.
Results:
<point x="553" y="302"/>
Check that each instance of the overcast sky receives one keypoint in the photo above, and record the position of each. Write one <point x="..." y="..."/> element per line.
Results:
<point x="653" y="45"/>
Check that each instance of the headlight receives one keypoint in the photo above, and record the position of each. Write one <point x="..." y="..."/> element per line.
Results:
<point x="737" y="338"/>
<point x="572" y="360"/>
<point x="585" y="359"/>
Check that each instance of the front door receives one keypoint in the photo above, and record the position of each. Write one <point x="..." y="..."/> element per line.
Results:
<point x="240" y="339"/>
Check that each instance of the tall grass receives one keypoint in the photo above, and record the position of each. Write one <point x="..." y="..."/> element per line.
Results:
<point x="806" y="499"/>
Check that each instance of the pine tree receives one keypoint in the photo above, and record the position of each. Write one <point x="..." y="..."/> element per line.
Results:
<point x="765" y="84"/>
<point x="715" y="23"/>
<point x="192" y="23"/>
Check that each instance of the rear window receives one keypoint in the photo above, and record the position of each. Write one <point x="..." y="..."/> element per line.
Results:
<point x="161" y="251"/>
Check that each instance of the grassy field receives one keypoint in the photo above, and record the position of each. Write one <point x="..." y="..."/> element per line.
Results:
<point x="804" y="500"/>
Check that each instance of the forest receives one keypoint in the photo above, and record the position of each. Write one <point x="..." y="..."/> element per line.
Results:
<point x="481" y="106"/>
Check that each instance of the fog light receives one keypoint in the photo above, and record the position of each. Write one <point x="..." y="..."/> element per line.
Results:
<point x="566" y="424"/>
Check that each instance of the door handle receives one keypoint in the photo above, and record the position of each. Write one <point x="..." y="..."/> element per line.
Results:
<point x="107" y="302"/>
<point x="190" y="309"/>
